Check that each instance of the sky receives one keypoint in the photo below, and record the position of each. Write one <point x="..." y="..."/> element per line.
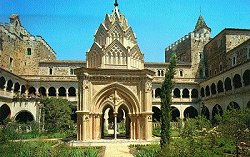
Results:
<point x="68" y="26"/>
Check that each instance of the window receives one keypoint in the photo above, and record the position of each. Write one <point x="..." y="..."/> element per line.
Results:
<point x="72" y="72"/>
<point x="215" y="72"/>
<point x="234" y="60"/>
<point x="220" y="67"/>
<point x="210" y="72"/>
<point x="181" y="73"/>
<point x="162" y="73"/>
<point x="29" y="51"/>
<point x="11" y="62"/>
<point x="50" y="71"/>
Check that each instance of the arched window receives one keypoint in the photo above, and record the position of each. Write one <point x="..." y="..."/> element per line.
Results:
<point x="62" y="91"/>
<point x="16" y="87"/>
<point x="246" y="77"/>
<point x="32" y="91"/>
<point x="52" y="91"/>
<point x="177" y="93"/>
<point x="9" y="85"/>
<point x="202" y="92"/>
<point x="207" y="91"/>
<point x="194" y="93"/>
<point x="23" y="89"/>
<point x="185" y="93"/>
<point x="158" y="92"/>
<point x="228" y="85"/>
<point x="2" y="82"/>
<point x="42" y="91"/>
<point x="213" y="89"/>
<point x="220" y="86"/>
<point x="72" y="91"/>
<point x="237" y="81"/>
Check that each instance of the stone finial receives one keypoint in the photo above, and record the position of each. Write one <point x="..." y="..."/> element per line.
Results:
<point x="116" y="3"/>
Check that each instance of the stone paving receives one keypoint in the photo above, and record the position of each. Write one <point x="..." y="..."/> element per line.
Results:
<point x="117" y="150"/>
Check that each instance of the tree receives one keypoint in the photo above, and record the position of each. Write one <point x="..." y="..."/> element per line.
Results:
<point x="166" y="101"/>
<point x="56" y="114"/>
<point x="234" y="125"/>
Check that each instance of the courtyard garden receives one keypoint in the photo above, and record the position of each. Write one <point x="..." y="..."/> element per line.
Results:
<point x="226" y="135"/>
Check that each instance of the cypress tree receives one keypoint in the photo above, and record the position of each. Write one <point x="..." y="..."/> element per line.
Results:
<point x="166" y="101"/>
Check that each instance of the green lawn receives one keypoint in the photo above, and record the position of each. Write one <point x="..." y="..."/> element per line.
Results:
<point x="46" y="149"/>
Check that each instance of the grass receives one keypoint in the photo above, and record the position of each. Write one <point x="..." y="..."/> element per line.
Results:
<point x="173" y="132"/>
<point x="144" y="150"/>
<point x="44" y="135"/>
<point x="46" y="149"/>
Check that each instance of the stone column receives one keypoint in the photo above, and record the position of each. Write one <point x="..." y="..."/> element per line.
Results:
<point x="132" y="127"/>
<point x="97" y="126"/>
<point x="5" y="86"/>
<point x="47" y="92"/>
<point x="37" y="91"/>
<point x="232" y="84"/>
<point x="67" y="93"/>
<point x="57" y="92"/>
<point x="115" y="123"/>
<point x="190" y="94"/>
<point x="138" y="128"/>
<point x="79" y="127"/>
<point x="181" y="93"/>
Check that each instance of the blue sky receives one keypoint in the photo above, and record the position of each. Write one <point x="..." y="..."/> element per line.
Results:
<point x="69" y="26"/>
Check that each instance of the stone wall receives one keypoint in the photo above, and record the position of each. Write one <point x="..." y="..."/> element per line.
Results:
<point x="189" y="50"/>
<point x="241" y="53"/>
<point x="60" y="68"/>
<point x="216" y="51"/>
<point x="15" y="42"/>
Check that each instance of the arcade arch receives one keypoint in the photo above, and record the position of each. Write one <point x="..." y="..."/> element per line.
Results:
<point x="4" y="112"/>
<point x="175" y="113"/>
<point x="190" y="112"/>
<point x="156" y="114"/>
<point x="2" y="82"/>
<point x="217" y="110"/>
<point x="233" y="105"/>
<point x="24" y="116"/>
<point x="246" y="77"/>
<point x="205" y="111"/>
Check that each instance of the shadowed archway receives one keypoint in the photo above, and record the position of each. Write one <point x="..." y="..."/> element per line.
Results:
<point x="4" y="112"/>
<point x="24" y="117"/>
<point x="190" y="112"/>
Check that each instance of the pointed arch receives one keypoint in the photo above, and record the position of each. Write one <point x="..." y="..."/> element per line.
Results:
<point x="130" y="100"/>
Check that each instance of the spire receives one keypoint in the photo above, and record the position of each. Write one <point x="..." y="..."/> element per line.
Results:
<point x="201" y="24"/>
<point x="116" y="3"/>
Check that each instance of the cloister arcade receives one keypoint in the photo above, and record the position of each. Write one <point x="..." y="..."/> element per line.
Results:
<point x="12" y="86"/>
<point x="235" y="82"/>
